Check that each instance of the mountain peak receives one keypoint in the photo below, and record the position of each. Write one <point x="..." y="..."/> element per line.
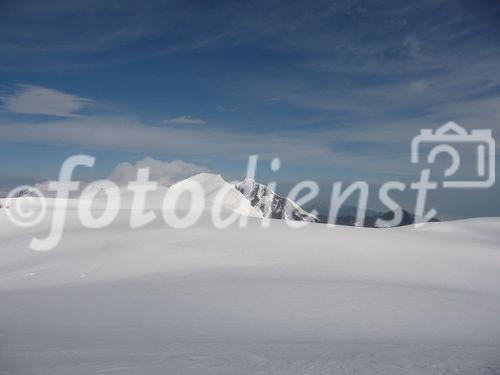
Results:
<point x="271" y="204"/>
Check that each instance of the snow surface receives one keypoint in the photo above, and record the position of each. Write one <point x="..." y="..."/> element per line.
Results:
<point x="315" y="300"/>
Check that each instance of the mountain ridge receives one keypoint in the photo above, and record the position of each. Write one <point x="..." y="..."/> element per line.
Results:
<point x="272" y="205"/>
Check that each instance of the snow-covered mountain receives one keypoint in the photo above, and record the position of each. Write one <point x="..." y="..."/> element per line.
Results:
<point x="271" y="204"/>
<point x="248" y="198"/>
<point x="214" y="185"/>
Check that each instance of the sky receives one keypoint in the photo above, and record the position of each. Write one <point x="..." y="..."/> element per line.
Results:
<point x="335" y="89"/>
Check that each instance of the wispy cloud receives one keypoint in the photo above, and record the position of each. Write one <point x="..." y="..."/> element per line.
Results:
<point x="75" y="34"/>
<point x="37" y="100"/>
<point x="312" y="148"/>
<point x="184" y="120"/>
<point x="115" y="133"/>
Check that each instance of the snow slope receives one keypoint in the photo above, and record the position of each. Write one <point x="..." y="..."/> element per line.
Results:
<point x="213" y="185"/>
<point x="315" y="300"/>
<point x="231" y="200"/>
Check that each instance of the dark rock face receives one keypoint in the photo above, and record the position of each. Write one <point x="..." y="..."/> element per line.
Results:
<point x="271" y="204"/>
<point x="406" y="218"/>
<point x="24" y="193"/>
<point x="275" y="206"/>
<point x="372" y="217"/>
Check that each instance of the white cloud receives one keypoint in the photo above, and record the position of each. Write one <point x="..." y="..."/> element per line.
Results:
<point x="184" y="120"/>
<point x="31" y="99"/>
<point x="165" y="173"/>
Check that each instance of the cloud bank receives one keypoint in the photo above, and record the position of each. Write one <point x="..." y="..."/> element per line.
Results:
<point x="165" y="173"/>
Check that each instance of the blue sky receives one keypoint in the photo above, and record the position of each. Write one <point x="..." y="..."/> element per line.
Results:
<point x="336" y="89"/>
